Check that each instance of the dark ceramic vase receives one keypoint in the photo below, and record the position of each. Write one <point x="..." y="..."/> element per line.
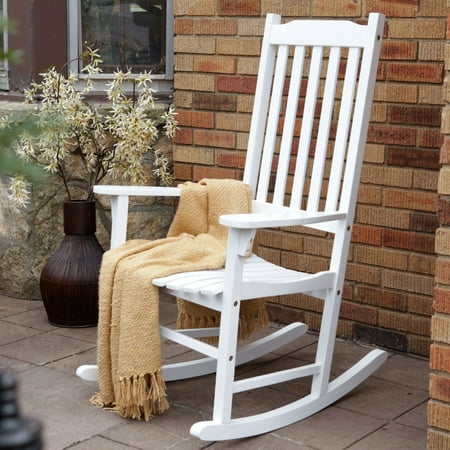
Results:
<point x="69" y="280"/>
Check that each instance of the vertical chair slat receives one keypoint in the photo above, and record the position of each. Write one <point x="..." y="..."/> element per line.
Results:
<point x="272" y="122"/>
<point x="307" y="126"/>
<point x="289" y="125"/>
<point x="326" y="114"/>
<point x="343" y="126"/>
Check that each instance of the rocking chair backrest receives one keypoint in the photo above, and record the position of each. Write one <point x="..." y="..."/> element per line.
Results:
<point x="313" y="101"/>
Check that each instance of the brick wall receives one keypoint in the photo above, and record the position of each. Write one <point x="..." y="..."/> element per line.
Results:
<point x="439" y="404"/>
<point x="390" y="279"/>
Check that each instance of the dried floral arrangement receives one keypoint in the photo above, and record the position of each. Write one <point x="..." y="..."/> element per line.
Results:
<point x="111" y="138"/>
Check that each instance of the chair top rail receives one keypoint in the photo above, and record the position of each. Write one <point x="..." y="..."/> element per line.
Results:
<point x="326" y="33"/>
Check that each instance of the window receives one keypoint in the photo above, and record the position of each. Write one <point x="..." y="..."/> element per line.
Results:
<point x="4" y="82"/>
<point x="129" y="34"/>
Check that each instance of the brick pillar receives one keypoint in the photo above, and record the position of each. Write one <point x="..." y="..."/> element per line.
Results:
<point x="439" y="403"/>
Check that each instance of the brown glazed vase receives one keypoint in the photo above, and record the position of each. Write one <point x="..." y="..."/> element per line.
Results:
<point x="69" y="280"/>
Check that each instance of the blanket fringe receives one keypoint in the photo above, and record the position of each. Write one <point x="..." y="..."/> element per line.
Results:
<point x="138" y="397"/>
<point x="251" y="320"/>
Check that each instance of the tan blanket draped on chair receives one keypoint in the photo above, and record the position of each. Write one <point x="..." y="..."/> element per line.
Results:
<point x="129" y="352"/>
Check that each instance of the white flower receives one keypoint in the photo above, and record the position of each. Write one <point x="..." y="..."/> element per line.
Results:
<point x="110" y="139"/>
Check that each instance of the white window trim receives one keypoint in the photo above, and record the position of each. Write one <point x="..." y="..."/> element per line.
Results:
<point x="4" y="68"/>
<point x="160" y="82"/>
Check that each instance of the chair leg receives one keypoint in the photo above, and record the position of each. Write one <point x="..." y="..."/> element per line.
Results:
<point x="325" y="345"/>
<point x="226" y="361"/>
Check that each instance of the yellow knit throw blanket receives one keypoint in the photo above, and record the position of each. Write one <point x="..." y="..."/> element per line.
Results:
<point x="129" y="352"/>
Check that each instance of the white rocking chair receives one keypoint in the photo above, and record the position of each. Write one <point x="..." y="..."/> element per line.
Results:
<point x="296" y="156"/>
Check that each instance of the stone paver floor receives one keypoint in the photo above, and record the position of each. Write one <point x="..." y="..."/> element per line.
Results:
<point x="387" y="411"/>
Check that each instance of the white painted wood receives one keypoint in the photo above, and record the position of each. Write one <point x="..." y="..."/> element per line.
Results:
<point x="310" y="188"/>
<point x="293" y="412"/>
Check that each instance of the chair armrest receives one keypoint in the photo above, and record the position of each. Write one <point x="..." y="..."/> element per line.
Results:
<point x="155" y="191"/>
<point x="266" y="220"/>
<point x="119" y="205"/>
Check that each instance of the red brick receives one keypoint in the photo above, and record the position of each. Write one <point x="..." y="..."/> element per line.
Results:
<point x="419" y="242"/>
<point x="442" y="271"/>
<point x="216" y="27"/>
<point x="200" y="172"/>
<point x="239" y="7"/>
<point x="415" y="72"/>
<point x="413" y="157"/>
<point x="215" y="64"/>
<point x="183" y="136"/>
<point x="440" y="358"/>
<point x="445" y="150"/>
<point x="212" y="138"/>
<point x="358" y="313"/>
<point x="388" y="134"/>
<point x="231" y="159"/>
<point x="283" y="314"/>
<point x="370" y="195"/>
<point x="183" y="26"/>
<point x="215" y="102"/>
<point x="441" y="302"/>
<point x="403" y="50"/>
<point x="420" y="304"/>
<point x="393" y="8"/>
<point x="424" y="222"/>
<point x="241" y="85"/>
<point x="381" y="297"/>
<point x="418" y="345"/>
<point x="418" y="115"/>
<point x="437" y="440"/>
<point x="182" y="172"/>
<point x="413" y="200"/>
<point x="430" y="137"/>
<point x="440" y="387"/>
<point x="195" y="119"/>
<point x="444" y="211"/>
<point x="366" y="235"/>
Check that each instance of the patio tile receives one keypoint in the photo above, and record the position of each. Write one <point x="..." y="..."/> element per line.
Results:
<point x="44" y="359"/>
<point x="71" y="363"/>
<point x="332" y="429"/>
<point x="14" y="365"/>
<point x="61" y="402"/>
<point x="416" y="417"/>
<point x="383" y="399"/>
<point x="88" y="334"/>
<point x="44" y="348"/>
<point x="263" y="442"/>
<point x="34" y="318"/>
<point x="142" y="435"/>
<point x="178" y="420"/>
<point x="10" y="332"/>
<point x="100" y="443"/>
<point x="393" y="437"/>
<point x="408" y="371"/>
<point x="11" y="305"/>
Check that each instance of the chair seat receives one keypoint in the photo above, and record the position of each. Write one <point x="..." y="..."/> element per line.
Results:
<point x="260" y="279"/>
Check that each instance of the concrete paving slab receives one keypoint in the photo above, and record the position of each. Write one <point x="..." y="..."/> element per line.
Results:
<point x="331" y="429"/>
<point x="383" y="399"/>
<point x="393" y="437"/>
<point x="44" y="348"/>
<point x="386" y="411"/>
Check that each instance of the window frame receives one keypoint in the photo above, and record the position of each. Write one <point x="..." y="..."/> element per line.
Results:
<point x="4" y="67"/>
<point x="162" y="83"/>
